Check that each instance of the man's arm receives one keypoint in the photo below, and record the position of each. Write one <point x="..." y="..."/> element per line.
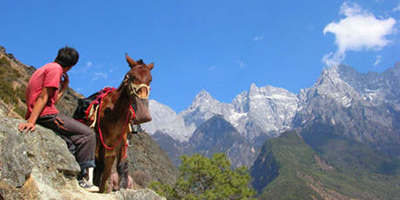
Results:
<point x="40" y="103"/>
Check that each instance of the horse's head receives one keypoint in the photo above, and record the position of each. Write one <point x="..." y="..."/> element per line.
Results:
<point x="137" y="83"/>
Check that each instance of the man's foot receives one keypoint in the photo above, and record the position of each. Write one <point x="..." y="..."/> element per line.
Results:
<point x="84" y="180"/>
<point x="140" y="129"/>
<point x="135" y="128"/>
<point x="88" y="186"/>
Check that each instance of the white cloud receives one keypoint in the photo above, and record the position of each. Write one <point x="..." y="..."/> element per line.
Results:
<point x="100" y="75"/>
<point x="359" y="30"/>
<point x="242" y="64"/>
<point x="257" y="38"/>
<point x="82" y="68"/>
<point x="397" y="8"/>
<point x="378" y="60"/>
<point x="351" y="9"/>
<point x="89" y="64"/>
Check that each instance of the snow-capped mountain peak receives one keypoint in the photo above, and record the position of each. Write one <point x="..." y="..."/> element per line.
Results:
<point x="203" y="100"/>
<point x="167" y="121"/>
<point x="261" y="110"/>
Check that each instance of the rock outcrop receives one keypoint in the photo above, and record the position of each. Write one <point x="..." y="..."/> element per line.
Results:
<point x="38" y="165"/>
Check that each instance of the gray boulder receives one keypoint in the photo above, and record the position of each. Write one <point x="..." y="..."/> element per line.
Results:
<point x="38" y="165"/>
<point x="14" y="163"/>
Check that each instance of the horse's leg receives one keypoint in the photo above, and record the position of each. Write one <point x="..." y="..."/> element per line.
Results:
<point x="98" y="171"/>
<point x="105" y="184"/>
<point x="122" y="169"/>
<point x="122" y="165"/>
<point x="99" y="162"/>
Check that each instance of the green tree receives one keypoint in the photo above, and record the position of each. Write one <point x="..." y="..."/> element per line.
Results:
<point x="208" y="178"/>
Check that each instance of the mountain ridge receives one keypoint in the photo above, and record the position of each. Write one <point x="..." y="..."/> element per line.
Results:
<point x="364" y="103"/>
<point x="367" y="116"/>
<point x="241" y="113"/>
<point x="204" y="106"/>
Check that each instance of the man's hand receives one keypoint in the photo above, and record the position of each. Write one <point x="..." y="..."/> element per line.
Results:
<point x="27" y="127"/>
<point x="65" y="81"/>
<point x="64" y="86"/>
<point x="40" y="103"/>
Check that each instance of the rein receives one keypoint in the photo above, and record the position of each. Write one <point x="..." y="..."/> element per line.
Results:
<point x="124" y="129"/>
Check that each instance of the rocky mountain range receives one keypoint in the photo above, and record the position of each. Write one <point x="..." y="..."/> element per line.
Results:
<point x="366" y="106"/>
<point x="260" y="111"/>
<point x="223" y="138"/>
<point x="254" y="116"/>
<point x="362" y="107"/>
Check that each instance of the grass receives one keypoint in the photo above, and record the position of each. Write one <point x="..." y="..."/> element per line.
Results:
<point x="7" y="93"/>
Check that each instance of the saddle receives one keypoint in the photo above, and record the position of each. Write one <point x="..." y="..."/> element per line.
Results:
<point x="86" y="111"/>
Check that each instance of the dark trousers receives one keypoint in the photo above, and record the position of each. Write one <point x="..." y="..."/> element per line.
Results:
<point x="80" y="139"/>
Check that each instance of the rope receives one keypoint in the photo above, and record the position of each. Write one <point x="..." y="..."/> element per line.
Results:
<point x="100" y="132"/>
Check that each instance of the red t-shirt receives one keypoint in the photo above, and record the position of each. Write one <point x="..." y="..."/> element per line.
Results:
<point x="48" y="75"/>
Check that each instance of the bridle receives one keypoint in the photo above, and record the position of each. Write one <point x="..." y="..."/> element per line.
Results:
<point x="135" y="88"/>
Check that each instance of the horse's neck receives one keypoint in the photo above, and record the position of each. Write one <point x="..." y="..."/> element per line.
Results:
<point x="121" y="103"/>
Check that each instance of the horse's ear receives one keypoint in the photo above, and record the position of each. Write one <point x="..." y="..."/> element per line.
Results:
<point x="150" y="66"/>
<point x="130" y="61"/>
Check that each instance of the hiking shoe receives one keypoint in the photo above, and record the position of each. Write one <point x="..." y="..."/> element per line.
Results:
<point x="135" y="128"/>
<point x="140" y="129"/>
<point x="83" y="183"/>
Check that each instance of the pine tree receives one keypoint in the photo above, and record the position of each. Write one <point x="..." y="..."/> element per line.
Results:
<point x="208" y="178"/>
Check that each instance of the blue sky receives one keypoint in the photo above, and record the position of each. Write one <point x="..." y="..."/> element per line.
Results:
<point x="220" y="46"/>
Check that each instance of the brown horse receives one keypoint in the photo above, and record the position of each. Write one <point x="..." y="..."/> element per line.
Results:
<point x="113" y="117"/>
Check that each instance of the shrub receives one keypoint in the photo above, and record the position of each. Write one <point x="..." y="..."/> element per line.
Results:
<point x="7" y="92"/>
<point x="208" y="178"/>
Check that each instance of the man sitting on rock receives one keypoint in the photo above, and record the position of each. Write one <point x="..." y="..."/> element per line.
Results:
<point x="45" y="89"/>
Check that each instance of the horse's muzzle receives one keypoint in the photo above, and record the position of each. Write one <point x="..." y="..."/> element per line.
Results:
<point x="142" y="112"/>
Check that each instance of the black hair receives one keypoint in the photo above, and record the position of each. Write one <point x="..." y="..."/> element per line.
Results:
<point x="67" y="57"/>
